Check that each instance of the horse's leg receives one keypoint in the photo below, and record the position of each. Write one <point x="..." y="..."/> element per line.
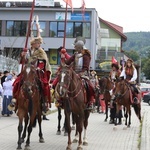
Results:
<point x="25" y="127"/>
<point x="80" y="123"/>
<point x="67" y="119"/>
<point x="73" y="122"/>
<point x="41" y="139"/>
<point x="106" y="104"/>
<point x="87" y="114"/>
<point x="20" y="128"/>
<point x="59" y="120"/>
<point x="129" y="112"/>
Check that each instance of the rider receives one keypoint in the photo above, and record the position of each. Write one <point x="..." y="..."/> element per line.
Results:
<point x="43" y="69"/>
<point x="94" y="79"/>
<point x="114" y="74"/>
<point x="81" y="64"/>
<point x="130" y="74"/>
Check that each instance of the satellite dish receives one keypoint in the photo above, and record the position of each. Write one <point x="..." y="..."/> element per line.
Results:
<point x="8" y="4"/>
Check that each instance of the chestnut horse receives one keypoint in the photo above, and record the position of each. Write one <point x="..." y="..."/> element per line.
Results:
<point x="106" y="85"/>
<point x="122" y="97"/>
<point x="71" y="90"/>
<point x="29" y="105"/>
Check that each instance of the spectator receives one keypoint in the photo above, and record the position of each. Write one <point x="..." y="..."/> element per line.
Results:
<point x="7" y="95"/>
<point x="4" y="76"/>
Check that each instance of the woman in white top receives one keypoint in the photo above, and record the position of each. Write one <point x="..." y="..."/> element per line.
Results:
<point x="7" y="95"/>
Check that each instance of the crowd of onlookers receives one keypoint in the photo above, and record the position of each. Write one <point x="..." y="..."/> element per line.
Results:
<point x="6" y="89"/>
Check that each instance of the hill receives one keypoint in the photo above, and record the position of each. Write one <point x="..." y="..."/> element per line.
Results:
<point x="138" y="41"/>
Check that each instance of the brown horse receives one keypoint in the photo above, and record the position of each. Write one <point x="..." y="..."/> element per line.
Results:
<point x="122" y="97"/>
<point x="29" y="105"/>
<point x="71" y="90"/>
<point x="106" y="85"/>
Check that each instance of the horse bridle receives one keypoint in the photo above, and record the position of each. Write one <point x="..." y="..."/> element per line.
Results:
<point x="62" y="85"/>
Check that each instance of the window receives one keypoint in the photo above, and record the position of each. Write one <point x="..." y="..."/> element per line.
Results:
<point x="53" y="29"/>
<point x="16" y="28"/>
<point x="42" y="27"/>
<point x="86" y="30"/>
<point x="77" y="29"/>
<point x="0" y="27"/>
<point x="73" y="29"/>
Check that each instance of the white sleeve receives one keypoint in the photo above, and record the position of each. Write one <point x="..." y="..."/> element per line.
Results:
<point x="123" y="74"/>
<point x="134" y="75"/>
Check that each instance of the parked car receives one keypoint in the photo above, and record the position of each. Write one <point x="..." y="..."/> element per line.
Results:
<point x="144" y="90"/>
<point x="146" y="98"/>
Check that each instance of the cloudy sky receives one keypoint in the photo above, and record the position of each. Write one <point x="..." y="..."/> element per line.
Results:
<point x="132" y="15"/>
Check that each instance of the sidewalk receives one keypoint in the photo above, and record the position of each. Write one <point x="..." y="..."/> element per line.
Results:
<point x="100" y="134"/>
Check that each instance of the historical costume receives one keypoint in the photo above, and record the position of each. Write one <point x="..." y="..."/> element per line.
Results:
<point x="37" y="56"/>
<point x="81" y="64"/>
<point x="114" y="74"/>
<point x="129" y="73"/>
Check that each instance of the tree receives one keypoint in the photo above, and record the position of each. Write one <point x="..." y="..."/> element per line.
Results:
<point x="133" y="55"/>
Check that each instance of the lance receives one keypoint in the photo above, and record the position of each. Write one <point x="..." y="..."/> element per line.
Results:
<point x="28" y="32"/>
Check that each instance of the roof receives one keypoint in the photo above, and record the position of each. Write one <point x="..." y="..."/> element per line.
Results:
<point x="115" y="27"/>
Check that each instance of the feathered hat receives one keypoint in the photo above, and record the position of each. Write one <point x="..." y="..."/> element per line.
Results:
<point x="114" y="63"/>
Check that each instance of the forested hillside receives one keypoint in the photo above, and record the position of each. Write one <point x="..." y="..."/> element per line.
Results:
<point x="138" y="41"/>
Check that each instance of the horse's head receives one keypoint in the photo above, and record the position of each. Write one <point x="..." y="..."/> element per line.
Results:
<point x="65" y="77"/>
<point x="120" y="88"/>
<point x="30" y="77"/>
<point x="105" y="84"/>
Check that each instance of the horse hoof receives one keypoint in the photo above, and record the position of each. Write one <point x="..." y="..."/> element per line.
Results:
<point x="75" y="141"/>
<point x="65" y="134"/>
<point x="124" y="128"/>
<point x="19" y="148"/>
<point x="79" y="148"/>
<point x="115" y="128"/>
<point x="85" y="143"/>
<point x="63" y="129"/>
<point x="27" y="148"/>
<point x="58" y="133"/>
<point x="41" y="140"/>
<point x="68" y="148"/>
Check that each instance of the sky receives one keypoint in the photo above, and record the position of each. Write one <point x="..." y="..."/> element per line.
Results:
<point x="132" y="15"/>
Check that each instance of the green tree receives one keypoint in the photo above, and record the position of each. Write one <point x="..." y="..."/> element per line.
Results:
<point x="134" y="55"/>
<point x="146" y="68"/>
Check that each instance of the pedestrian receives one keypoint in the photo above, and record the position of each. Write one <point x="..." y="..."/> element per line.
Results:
<point x="7" y="95"/>
<point x="4" y="76"/>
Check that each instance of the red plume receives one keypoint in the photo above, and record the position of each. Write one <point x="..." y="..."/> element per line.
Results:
<point x="114" y="61"/>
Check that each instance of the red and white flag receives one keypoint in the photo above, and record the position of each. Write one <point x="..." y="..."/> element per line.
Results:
<point x="114" y="61"/>
<point x="83" y="6"/>
<point x="69" y="2"/>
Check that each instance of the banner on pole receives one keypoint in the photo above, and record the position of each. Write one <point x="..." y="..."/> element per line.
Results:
<point x="44" y="2"/>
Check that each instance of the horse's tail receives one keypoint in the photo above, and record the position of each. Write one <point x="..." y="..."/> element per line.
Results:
<point x="34" y="122"/>
<point x="136" y="110"/>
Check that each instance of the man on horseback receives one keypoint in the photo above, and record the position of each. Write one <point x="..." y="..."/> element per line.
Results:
<point x="37" y="56"/>
<point x="81" y="64"/>
<point x="114" y="74"/>
<point x="129" y="73"/>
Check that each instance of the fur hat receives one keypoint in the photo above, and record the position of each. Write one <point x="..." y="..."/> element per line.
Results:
<point x="37" y="39"/>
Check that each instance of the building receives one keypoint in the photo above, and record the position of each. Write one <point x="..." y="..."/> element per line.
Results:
<point x="112" y="38"/>
<point x="14" y="26"/>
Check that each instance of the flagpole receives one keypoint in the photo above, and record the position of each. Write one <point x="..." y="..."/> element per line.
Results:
<point x="29" y="26"/>
<point x="64" y="39"/>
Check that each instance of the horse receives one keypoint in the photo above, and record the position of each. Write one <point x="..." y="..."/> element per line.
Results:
<point x="29" y="105"/>
<point x="106" y="85"/>
<point x="122" y="97"/>
<point x="72" y="92"/>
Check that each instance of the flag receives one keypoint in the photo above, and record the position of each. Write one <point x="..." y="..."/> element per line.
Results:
<point x="69" y="2"/>
<point x="83" y="6"/>
<point x="114" y="61"/>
